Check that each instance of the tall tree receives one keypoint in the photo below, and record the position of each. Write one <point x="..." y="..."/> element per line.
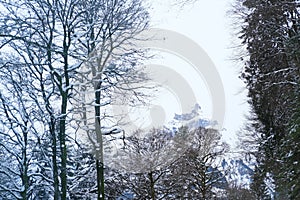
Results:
<point x="108" y="30"/>
<point x="21" y="122"/>
<point x="271" y="72"/>
<point x="52" y="39"/>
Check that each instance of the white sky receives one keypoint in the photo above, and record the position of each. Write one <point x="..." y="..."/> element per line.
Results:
<point x="207" y="24"/>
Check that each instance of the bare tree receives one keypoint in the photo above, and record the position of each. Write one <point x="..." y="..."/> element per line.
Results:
<point x="199" y="170"/>
<point x="21" y="121"/>
<point x="147" y="162"/>
<point x="109" y="29"/>
<point x="43" y="31"/>
<point x="167" y="165"/>
<point x="52" y="38"/>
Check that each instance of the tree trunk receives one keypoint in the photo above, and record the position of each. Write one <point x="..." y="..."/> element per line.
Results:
<point x="63" y="148"/>
<point x="99" y="147"/>
<point x="64" y="87"/>
<point x="24" y="173"/>
<point x="54" y="161"/>
<point x="152" y="183"/>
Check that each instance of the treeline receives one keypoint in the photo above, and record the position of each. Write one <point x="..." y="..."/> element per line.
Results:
<point x="271" y="71"/>
<point x="159" y="165"/>
<point x="61" y="63"/>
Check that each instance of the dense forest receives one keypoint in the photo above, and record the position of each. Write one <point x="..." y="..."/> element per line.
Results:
<point x="64" y="62"/>
<point x="270" y="33"/>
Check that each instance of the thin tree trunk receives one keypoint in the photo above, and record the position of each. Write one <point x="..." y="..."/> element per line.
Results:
<point x="54" y="161"/>
<point x="52" y="124"/>
<point x="152" y="183"/>
<point x="64" y="87"/>
<point x="99" y="147"/>
<point x="63" y="148"/>
<point x="24" y="173"/>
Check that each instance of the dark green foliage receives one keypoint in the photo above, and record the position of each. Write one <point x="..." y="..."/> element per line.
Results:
<point x="271" y="35"/>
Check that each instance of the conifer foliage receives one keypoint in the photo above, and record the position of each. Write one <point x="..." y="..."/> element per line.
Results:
<point x="270" y="34"/>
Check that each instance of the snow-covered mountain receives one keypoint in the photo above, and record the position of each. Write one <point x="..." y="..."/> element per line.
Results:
<point x="191" y="120"/>
<point x="238" y="173"/>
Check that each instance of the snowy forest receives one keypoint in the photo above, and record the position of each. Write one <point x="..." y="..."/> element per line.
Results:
<point x="64" y="64"/>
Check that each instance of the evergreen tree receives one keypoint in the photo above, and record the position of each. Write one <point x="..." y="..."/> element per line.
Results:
<point x="270" y="34"/>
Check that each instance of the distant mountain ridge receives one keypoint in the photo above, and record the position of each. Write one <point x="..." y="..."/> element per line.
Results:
<point x="191" y="120"/>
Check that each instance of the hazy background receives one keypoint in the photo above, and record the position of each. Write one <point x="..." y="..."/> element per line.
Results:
<point x="208" y="24"/>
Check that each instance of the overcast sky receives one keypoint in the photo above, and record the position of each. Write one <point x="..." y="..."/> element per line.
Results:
<point x="207" y="23"/>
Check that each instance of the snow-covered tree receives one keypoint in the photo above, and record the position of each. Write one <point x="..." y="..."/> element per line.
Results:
<point x="166" y="165"/>
<point x="271" y="37"/>
<point x="199" y="169"/>
<point x="107" y="33"/>
<point x="146" y="160"/>
<point x="22" y="135"/>
<point x="52" y="39"/>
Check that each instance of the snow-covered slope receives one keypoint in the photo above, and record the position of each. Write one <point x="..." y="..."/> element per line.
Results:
<point x="238" y="173"/>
